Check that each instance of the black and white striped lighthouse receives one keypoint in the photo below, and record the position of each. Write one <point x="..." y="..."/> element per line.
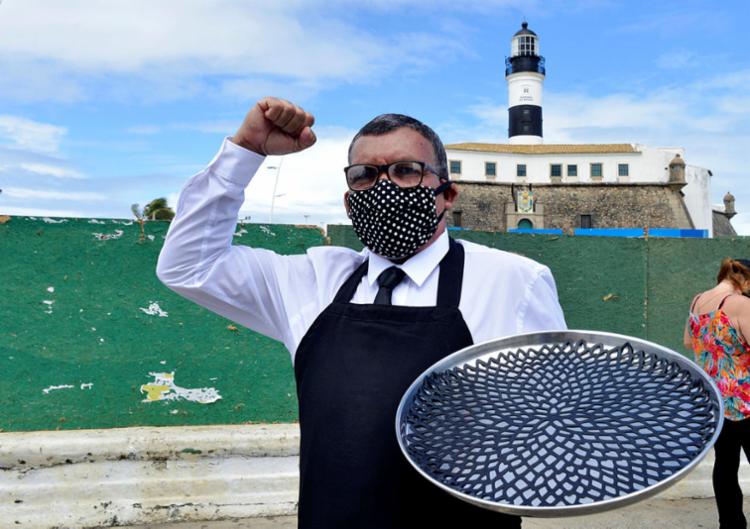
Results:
<point x="524" y="71"/>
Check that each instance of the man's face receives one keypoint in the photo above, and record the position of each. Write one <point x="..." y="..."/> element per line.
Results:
<point x="402" y="144"/>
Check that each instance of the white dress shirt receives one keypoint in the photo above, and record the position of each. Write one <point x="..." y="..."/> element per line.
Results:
<point x="281" y="296"/>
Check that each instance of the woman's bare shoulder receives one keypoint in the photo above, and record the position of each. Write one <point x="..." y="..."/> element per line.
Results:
<point x="737" y="305"/>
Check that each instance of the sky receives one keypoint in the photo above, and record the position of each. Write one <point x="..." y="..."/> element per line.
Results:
<point x="107" y="103"/>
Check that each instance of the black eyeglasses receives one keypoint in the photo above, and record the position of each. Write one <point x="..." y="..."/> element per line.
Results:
<point x="404" y="174"/>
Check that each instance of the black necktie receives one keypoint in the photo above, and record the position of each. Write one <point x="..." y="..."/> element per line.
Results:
<point x="387" y="280"/>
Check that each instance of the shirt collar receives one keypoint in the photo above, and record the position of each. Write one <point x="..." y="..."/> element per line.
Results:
<point x="417" y="267"/>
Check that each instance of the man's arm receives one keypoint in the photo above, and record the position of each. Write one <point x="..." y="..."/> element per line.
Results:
<point x="275" y="126"/>
<point x="198" y="260"/>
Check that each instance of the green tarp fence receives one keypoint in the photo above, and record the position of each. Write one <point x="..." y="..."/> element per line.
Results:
<point x="87" y="332"/>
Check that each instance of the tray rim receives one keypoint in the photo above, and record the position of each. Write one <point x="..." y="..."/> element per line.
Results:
<point x="538" y="338"/>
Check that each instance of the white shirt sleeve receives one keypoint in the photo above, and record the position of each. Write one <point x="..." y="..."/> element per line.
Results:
<point x="281" y="296"/>
<point x="256" y="288"/>
<point x="540" y="309"/>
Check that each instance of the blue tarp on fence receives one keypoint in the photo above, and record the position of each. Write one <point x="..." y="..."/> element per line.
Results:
<point x="619" y="232"/>
<point x="641" y="232"/>
<point x="532" y="230"/>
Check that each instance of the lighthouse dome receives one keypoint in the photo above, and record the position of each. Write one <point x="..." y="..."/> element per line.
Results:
<point x="524" y="30"/>
<point x="525" y="43"/>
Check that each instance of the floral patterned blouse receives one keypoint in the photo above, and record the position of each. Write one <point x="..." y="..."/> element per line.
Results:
<point x="725" y="356"/>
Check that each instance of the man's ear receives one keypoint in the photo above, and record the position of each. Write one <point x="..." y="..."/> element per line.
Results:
<point x="450" y="195"/>
<point x="346" y="203"/>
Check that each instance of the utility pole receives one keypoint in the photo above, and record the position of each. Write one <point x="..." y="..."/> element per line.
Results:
<point x="275" y="185"/>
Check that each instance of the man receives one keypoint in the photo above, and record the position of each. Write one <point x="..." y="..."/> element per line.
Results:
<point x="360" y="326"/>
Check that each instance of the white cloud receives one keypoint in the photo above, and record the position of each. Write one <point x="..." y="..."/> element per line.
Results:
<point x="31" y="135"/>
<point x="172" y="49"/>
<point x="36" y="194"/>
<point x="212" y="127"/>
<point x="29" y="80"/>
<point x="741" y="223"/>
<point x="40" y="212"/>
<point x="52" y="170"/>
<point x="310" y="184"/>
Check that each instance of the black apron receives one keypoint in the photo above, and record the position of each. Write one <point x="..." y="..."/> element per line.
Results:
<point x="352" y="368"/>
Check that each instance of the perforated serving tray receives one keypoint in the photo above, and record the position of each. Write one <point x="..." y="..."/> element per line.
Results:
<point x="559" y="423"/>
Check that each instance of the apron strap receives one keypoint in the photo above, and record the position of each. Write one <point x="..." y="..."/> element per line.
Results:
<point x="347" y="290"/>
<point x="449" y="281"/>
<point x="451" y="276"/>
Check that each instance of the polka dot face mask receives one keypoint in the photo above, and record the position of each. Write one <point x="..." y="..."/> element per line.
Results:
<point x="393" y="221"/>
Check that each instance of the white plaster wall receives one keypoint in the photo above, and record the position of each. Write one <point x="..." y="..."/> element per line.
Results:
<point x="538" y="166"/>
<point x="647" y="165"/>
<point x="698" y="197"/>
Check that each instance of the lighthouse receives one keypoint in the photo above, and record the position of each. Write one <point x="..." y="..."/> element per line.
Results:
<point x="524" y="71"/>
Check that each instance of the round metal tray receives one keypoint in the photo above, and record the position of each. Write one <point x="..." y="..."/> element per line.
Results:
<point x="559" y="423"/>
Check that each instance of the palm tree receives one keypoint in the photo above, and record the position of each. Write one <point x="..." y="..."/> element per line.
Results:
<point x="139" y="217"/>
<point x="158" y="209"/>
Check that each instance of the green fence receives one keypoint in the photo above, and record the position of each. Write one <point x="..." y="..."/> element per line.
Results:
<point x="73" y="312"/>
<point x="639" y="287"/>
<point x="84" y="322"/>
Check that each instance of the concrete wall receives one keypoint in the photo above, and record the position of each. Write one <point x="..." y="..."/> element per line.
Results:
<point x="93" y="478"/>
<point x="483" y="206"/>
<point x="647" y="165"/>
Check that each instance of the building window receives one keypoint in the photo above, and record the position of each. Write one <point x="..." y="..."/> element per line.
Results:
<point x="555" y="170"/>
<point x="596" y="170"/>
<point x="490" y="169"/>
<point x="455" y="166"/>
<point x="586" y="221"/>
<point x="572" y="170"/>
<point x="526" y="45"/>
<point x="457" y="220"/>
<point x="623" y="169"/>
<point x="521" y="170"/>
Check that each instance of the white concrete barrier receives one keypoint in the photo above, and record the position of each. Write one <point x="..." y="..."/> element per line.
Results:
<point x="90" y="478"/>
<point x="93" y="478"/>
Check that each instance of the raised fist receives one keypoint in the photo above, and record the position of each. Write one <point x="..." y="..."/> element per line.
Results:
<point x="275" y="126"/>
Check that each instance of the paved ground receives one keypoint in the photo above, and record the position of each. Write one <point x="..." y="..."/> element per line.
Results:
<point x="653" y="514"/>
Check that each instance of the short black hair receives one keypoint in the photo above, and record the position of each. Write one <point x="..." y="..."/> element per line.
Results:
<point x="385" y="123"/>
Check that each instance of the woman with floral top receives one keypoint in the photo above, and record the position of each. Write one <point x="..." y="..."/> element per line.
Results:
<point x="717" y="331"/>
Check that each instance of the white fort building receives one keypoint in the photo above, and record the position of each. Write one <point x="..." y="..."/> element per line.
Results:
<point x="528" y="184"/>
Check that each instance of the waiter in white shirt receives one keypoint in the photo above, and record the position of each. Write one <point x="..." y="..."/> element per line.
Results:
<point x="360" y="326"/>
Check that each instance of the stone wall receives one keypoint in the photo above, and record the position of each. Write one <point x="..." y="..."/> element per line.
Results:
<point x="485" y="205"/>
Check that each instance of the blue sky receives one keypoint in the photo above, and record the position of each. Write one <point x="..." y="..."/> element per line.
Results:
<point x="106" y="103"/>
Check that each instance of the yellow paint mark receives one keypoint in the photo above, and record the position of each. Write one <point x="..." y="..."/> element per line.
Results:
<point x="153" y="391"/>
<point x="164" y="388"/>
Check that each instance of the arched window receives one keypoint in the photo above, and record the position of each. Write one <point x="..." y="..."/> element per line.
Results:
<point x="525" y="224"/>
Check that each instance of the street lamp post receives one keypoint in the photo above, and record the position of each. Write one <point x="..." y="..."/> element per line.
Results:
<point x="275" y="185"/>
